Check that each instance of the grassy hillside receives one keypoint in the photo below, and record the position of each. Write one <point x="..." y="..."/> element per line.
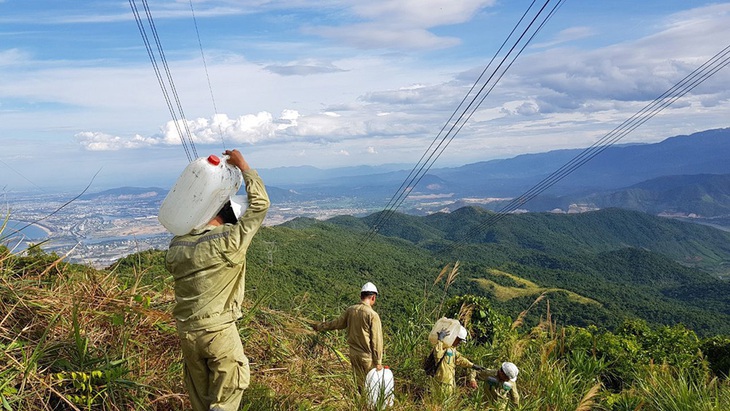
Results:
<point x="75" y="338"/>
<point x="607" y="310"/>
<point x="603" y="267"/>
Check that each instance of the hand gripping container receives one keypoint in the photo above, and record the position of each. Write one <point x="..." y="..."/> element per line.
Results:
<point x="198" y="194"/>
<point x="445" y="324"/>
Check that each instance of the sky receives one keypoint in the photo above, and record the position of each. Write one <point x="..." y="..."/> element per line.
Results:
<point x="334" y="83"/>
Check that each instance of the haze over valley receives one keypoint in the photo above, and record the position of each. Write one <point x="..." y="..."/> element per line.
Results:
<point x="100" y="227"/>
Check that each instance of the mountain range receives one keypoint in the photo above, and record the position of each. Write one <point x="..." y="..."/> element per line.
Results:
<point x="686" y="175"/>
<point x="682" y="175"/>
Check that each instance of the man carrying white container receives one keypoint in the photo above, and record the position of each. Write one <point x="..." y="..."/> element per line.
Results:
<point x="447" y="358"/>
<point x="364" y="334"/>
<point x="209" y="268"/>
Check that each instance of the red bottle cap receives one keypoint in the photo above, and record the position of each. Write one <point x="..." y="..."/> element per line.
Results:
<point x="212" y="159"/>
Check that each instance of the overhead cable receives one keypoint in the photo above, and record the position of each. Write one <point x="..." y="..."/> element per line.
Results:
<point x="684" y="86"/>
<point x="178" y="116"/>
<point x="433" y="153"/>
<point x="207" y="76"/>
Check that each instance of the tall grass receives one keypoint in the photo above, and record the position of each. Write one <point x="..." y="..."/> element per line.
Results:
<point x="76" y="338"/>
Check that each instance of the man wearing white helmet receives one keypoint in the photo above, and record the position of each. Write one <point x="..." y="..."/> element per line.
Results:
<point x="364" y="333"/>
<point x="209" y="268"/>
<point x="501" y="384"/>
<point x="447" y="359"/>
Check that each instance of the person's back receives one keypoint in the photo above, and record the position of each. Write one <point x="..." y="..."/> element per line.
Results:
<point x="209" y="268"/>
<point x="361" y="333"/>
<point x="364" y="333"/>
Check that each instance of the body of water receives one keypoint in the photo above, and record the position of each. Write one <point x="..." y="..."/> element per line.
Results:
<point x="30" y="232"/>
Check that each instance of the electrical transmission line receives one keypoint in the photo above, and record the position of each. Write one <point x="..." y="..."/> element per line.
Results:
<point x="176" y="111"/>
<point x="533" y="25"/>
<point x="681" y="88"/>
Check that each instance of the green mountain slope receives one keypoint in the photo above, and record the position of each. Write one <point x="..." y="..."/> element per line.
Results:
<point x="595" y="268"/>
<point x="632" y="264"/>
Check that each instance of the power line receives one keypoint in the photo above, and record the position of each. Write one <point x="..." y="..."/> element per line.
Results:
<point x="684" y="86"/>
<point x="423" y="167"/>
<point x="185" y="138"/>
<point x="207" y="76"/>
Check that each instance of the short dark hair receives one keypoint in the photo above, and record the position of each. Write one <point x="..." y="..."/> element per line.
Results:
<point x="367" y="294"/>
<point x="227" y="214"/>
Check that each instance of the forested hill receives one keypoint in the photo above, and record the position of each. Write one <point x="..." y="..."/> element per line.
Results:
<point x="594" y="268"/>
<point x="627" y="264"/>
<point x="562" y="235"/>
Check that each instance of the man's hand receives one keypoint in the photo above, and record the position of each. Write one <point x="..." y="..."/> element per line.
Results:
<point x="442" y="334"/>
<point x="473" y="384"/>
<point x="236" y="158"/>
<point x="379" y="367"/>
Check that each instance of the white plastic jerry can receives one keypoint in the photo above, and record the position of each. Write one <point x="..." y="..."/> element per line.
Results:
<point x="445" y="324"/>
<point x="380" y="387"/>
<point x="198" y="194"/>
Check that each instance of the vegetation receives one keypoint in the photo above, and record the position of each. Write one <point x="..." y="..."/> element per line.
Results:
<point x="591" y="328"/>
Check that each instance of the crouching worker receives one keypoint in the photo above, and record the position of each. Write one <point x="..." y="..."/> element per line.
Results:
<point x="500" y="384"/>
<point x="209" y="268"/>
<point x="447" y="359"/>
<point x="364" y="334"/>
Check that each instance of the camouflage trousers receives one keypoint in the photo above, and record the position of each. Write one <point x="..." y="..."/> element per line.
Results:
<point x="216" y="369"/>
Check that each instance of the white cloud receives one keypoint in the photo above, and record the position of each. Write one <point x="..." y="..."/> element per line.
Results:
<point x="12" y="57"/>
<point x="371" y="150"/>
<point x="95" y="141"/>
<point x="371" y="36"/>
<point x="421" y="13"/>
<point x="401" y="24"/>
<point x="303" y="68"/>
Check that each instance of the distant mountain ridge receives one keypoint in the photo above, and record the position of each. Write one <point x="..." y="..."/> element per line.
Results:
<point x="682" y="174"/>
<point x="702" y="194"/>
<point x="618" y="166"/>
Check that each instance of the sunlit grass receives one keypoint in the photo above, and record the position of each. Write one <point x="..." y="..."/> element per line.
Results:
<point x="526" y="288"/>
<point x="76" y="338"/>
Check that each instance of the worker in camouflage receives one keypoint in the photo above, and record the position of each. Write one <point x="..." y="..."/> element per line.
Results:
<point x="209" y="269"/>
<point x="364" y="334"/>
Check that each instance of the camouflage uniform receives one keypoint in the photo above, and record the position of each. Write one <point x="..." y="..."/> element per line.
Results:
<point x="209" y="268"/>
<point x="364" y="337"/>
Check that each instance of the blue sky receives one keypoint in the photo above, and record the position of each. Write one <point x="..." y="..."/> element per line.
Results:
<point x="335" y="83"/>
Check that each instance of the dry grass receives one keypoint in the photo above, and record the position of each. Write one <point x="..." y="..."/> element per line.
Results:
<point x="57" y="321"/>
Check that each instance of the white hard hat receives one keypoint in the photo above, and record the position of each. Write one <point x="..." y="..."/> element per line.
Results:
<point x="510" y="370"/>
<point x="462" y="333"/>
<point x="369" y="288"/>
<point x="239" y="204"/>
